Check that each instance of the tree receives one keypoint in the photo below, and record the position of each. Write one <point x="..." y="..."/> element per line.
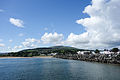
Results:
<point x="115" y="50"/>
<point x="106" y="50"/>
<point x="97" y="51"/>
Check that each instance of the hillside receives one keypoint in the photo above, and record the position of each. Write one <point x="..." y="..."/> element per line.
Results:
<point x="44" y="51"/>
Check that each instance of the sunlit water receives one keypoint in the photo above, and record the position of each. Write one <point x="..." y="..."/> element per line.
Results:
<point x="55" y="69"/>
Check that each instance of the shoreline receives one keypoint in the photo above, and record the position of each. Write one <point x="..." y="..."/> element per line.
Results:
<point x="29" y="57"/>
<point x="100" y="58"/>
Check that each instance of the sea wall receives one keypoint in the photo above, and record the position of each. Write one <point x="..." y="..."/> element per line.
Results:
<point x="103" y="58"/>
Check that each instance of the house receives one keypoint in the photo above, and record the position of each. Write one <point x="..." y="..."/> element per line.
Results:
<point x="83" y="52"/>
<point x="53" y="54"/>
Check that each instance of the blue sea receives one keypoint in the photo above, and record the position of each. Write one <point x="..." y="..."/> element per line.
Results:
<point x="56" y="69"/>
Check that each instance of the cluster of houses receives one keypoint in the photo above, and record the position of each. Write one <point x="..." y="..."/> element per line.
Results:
<point x="52" y="54"/>
<point x="101" y="52"/>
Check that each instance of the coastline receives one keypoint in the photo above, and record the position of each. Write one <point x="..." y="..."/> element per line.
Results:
<point x="29" y="57"/>
<point x="100" y="58"/>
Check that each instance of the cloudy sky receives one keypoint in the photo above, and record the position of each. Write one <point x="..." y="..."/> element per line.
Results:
<point x="86" y="24"/>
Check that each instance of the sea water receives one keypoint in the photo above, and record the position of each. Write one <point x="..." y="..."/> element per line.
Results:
<point x="56" y="69"/>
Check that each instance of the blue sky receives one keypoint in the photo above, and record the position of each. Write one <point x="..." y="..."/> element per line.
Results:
<point x="87" y="24"/>
<point x="54" y="15"/>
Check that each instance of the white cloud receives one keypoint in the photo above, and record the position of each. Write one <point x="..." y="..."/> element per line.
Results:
<point x="74" y="39"/>
<point x="18" y="47"/>
<point x="10" y="40"/>
<point x="21" y="34"/>
<point x="2" y="45"/>
<point x="30" y="43"/>
<point x="16" y="22"/>
<point x="26" y="44"/>
<point x="102" y="27"/>
<point x="15" y="48"/>
<point x="30" y="40"/>
<point x="52" y="38"/>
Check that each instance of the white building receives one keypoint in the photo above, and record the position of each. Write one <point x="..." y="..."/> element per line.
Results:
<point x="53" y="54"/>
<point x="83" y="52"/>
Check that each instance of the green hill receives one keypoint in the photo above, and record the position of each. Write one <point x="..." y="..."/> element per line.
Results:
<point x="45" y="51"/>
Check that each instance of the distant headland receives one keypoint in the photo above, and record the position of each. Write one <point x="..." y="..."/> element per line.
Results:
<point x="111" y="56"/>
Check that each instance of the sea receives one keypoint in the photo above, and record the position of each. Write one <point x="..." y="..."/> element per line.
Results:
<point x="56" y="69"/>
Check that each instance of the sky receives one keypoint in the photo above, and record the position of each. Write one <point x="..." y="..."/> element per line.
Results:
<point x="86" y="24"/>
